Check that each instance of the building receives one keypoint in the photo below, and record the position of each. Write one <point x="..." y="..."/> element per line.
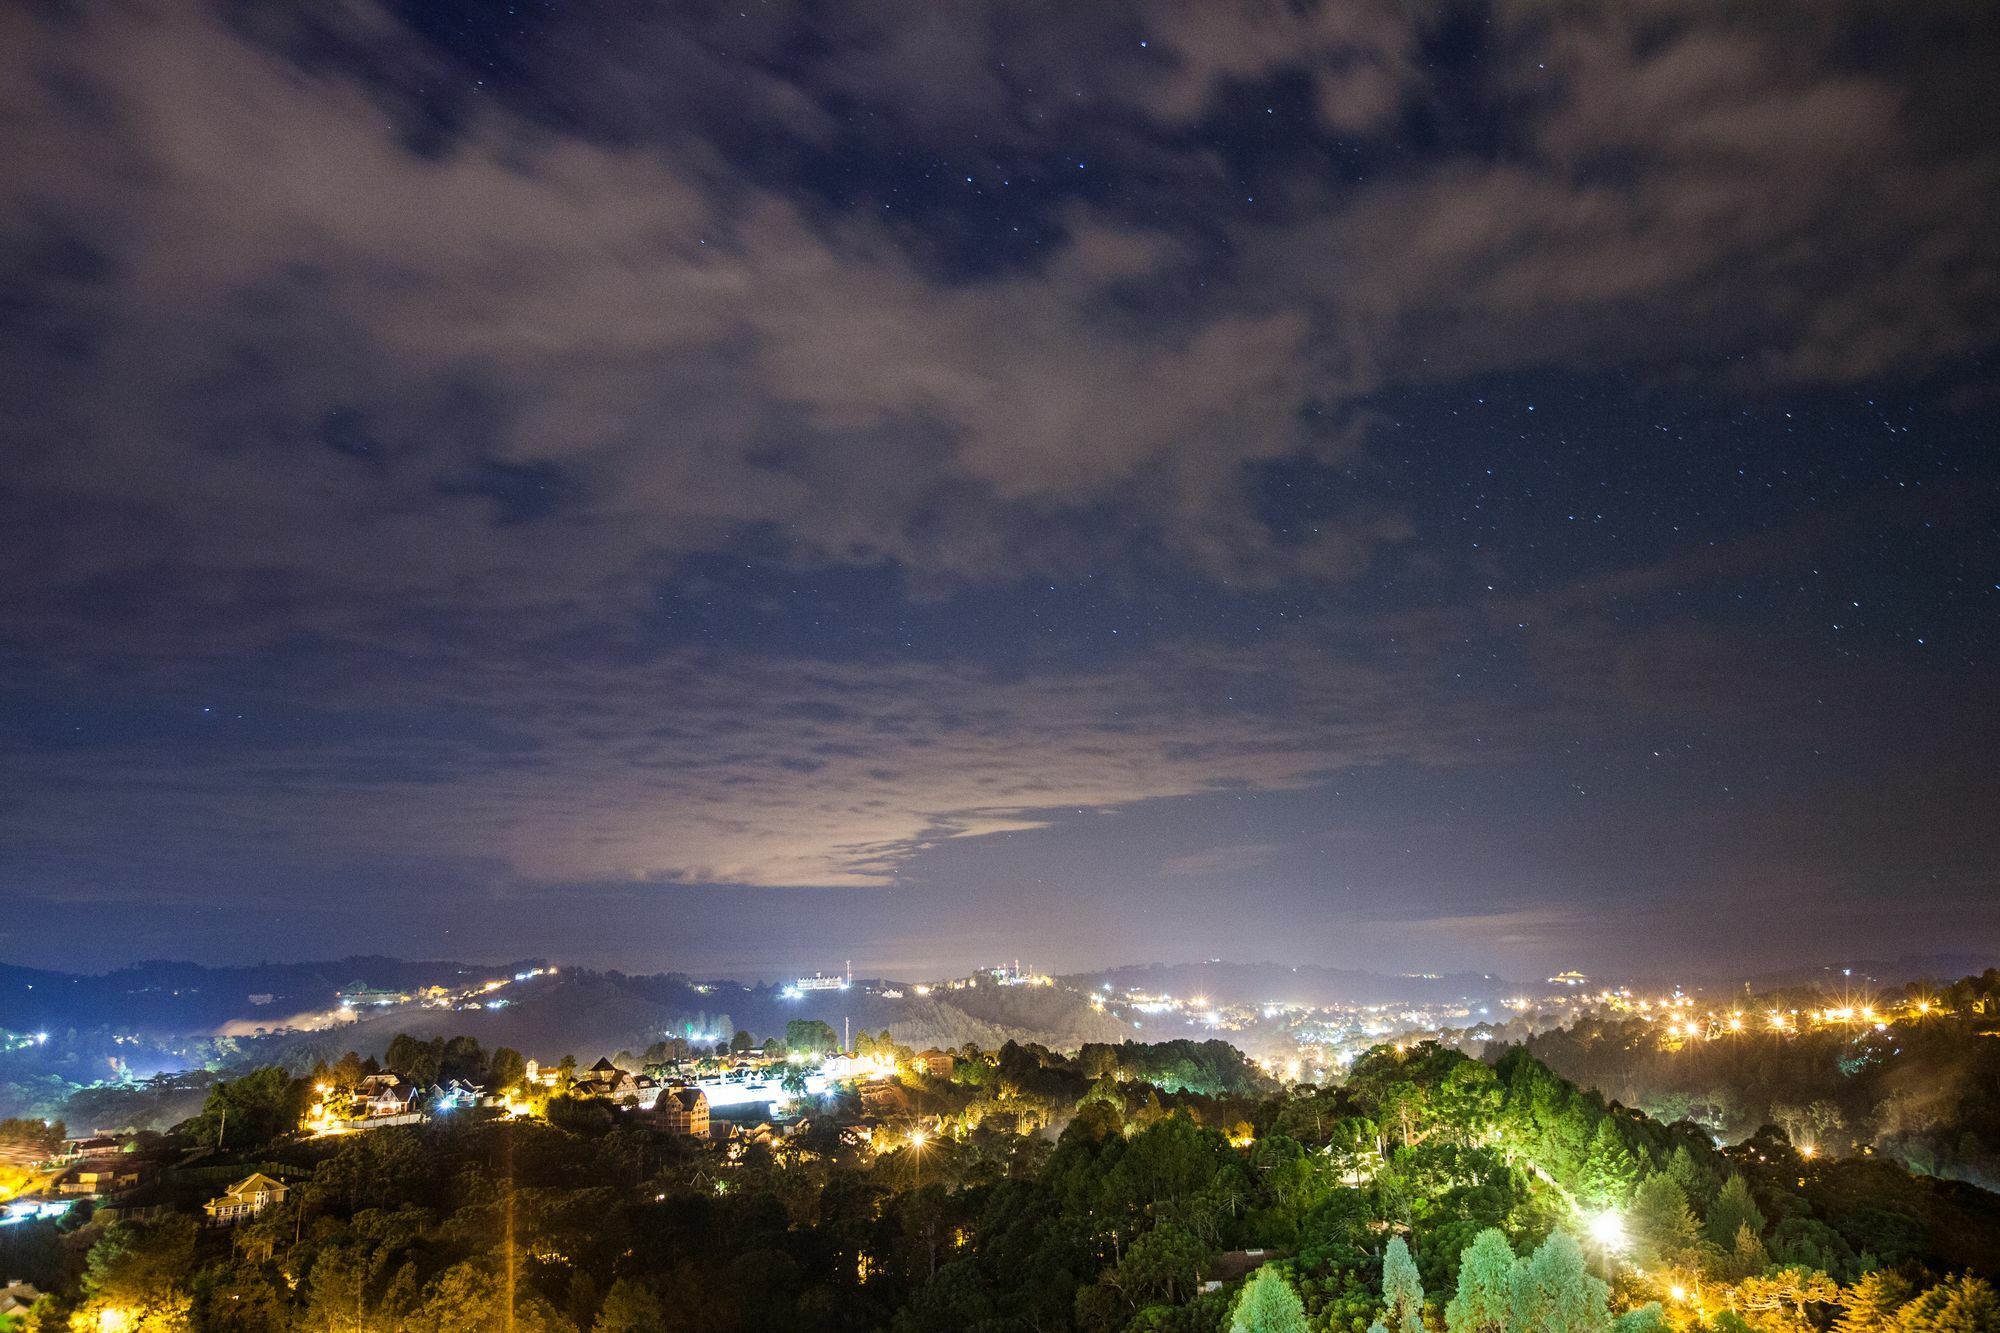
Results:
<point x="936" y="1063"/>
<point x="614" y="1085"/>
<point x="454" y="1095"/>
<point x="385" y="1095"/>
<point x="244" y="1200"/>
<point x="684" y="1111"/>
<point x="360" y="995"/>
<point x="101" y="1145"/>
<point x="15" y="1298"/>
<point x="94" y="1180"/>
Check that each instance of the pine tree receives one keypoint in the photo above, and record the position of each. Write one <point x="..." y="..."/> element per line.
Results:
<point x="1870" y="1305"/>
<point x="1697" y="1182"/>
<point x="1955" y="1305"/>
<point x="1268" y="1305"/>
<point x="1661" y="1224"/>
<point x="1555" y="1293"/>
<point x="1609" y="1171"/>
<point x="1732" y="1210"/>
<point x="1485" y="1294"/>
<point x="1647" y="1318"/>
<point x="1402" y="1289"/>
<point x="1748" y="1257"/>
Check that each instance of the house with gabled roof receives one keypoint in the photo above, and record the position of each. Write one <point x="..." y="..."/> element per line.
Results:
<point x="244" y="1200"/>
<point x="684" y="1111"/>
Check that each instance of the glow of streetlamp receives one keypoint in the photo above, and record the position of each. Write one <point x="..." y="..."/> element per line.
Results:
<point x="1608" y="1229"/>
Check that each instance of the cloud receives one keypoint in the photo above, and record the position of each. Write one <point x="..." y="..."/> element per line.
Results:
<point x="389" y="411"/>
<point x="705" y="768"/>
<point x="1232" y="860"/>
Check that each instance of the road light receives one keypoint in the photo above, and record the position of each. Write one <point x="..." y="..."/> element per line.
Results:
<point x="1608" y="1230"/>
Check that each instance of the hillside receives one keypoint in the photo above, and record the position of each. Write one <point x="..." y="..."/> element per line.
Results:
<point x="1923" y="1087"/>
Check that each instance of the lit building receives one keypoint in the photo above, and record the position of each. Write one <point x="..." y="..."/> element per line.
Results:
<point x="684" y="1111"/>
<point x="244" y="1200"/>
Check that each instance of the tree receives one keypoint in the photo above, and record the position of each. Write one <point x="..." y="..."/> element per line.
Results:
<point x="415" y="1059"/>
<point x="1870" y="1305"/>
<point x="463" y="1058"/>
<point x="467" y="1299"/>
<point x="1647" y="1318"/>
<point x="506" y="1069"/>
<point x="741" y="1043"/>
<point x="1956" y="1305"/>
<point x="1778" y="1299"/>
<point x="1162" y="1263"/>
<point x="250" y="1111"/>
<point x="1609" y="1171"/>
<point x="811" y="1035"/>
<point x="1733" y="1210"/>
<point x="1747" y="1257"/>
<point x="135" y="1279"/>
<point x="1485" y="1296"/>
<point x="629" y="1307"/>
<point x="1402" y="1289"/>
<point x="1268" y="1304"/>
<point x="1661" y="1224"/>
<point x="1555" y="1293"/>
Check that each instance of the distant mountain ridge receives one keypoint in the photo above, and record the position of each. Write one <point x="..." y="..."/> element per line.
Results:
<point x="163" y="998"/>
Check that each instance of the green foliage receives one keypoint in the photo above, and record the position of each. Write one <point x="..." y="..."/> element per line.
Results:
<point x="42" y="1135"/>
<point x="249" y="1112"/>
<point x="1871" y="1304"/>
<point x="1956" y="1305"/>
<point x="141" y="1274"/>
<point x="1429" y="1171"/>
<point x="1268" y="1304"/>
<point x="506" y="1069"/>
<point x="1647" y="1318"/>
<point x="1162" y="1264"/>
<point x="1661" y="1226"/>
<point x="1609" y="1171"/>
<point x="811" y="1035"/>
<point x="1484" y="1300"/>
<point x="1555" y="1293"/>
<point x="1732" y="1211"/>
<point x="1402" y="1289"/>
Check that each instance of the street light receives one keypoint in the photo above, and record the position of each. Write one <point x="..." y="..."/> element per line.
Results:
<point x="1608" y="1230"/>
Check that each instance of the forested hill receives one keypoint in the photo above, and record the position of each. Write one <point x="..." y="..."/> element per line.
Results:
<point x="1917" y="1079"/>
<point x="591" y="1013"/>
<point x="1431" y="1193"/>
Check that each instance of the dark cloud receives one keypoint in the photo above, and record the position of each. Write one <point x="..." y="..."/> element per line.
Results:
<point x="420" y="391"/>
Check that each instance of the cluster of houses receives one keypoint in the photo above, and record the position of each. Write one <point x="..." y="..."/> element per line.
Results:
<point x="107" y="1171"/>
<point x="384" y="1099"/>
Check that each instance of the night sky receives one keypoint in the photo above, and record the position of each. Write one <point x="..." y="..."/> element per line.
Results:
<point x="740" y="487"/>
